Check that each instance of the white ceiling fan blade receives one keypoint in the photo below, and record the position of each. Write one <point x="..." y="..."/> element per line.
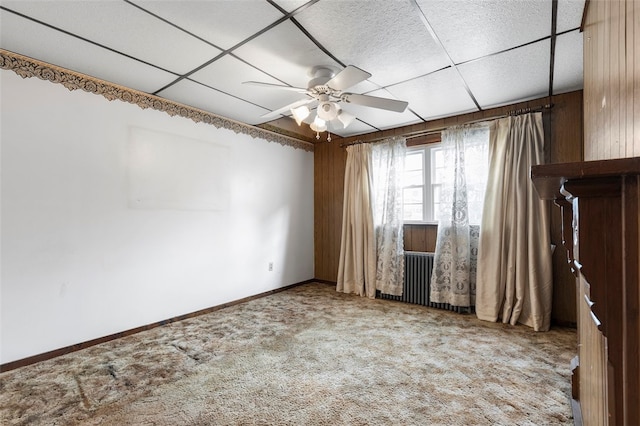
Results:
<point x="275" y="86"/>
<point x="350" y="76"/>
<point x="374" y="102"/>
<point x="286" y="108"/>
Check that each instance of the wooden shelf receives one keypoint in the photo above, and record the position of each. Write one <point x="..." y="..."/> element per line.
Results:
<point x="548" y="179"/>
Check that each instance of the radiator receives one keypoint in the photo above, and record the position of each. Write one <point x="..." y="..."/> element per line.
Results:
<point x="417" y="282"/>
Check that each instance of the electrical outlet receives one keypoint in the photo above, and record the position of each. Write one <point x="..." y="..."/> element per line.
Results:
<point x="270" y="266"/>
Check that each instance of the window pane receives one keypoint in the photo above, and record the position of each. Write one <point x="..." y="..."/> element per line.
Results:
<point x="413" y="178"/>
<point x="435" y="201"/>
<point x="413" y="212"/>
<point x="437" y="165"/>
<point x="413" y="195"/>
<point x="438" y="157"/>
<point x="436" y="211"/>
<point x="413" y="161"/>
<point x="438" y="175"/>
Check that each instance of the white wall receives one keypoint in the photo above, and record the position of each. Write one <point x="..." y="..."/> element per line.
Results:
<point x="79" y="261"/>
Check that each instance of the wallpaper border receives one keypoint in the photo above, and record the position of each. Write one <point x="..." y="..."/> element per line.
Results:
<point x="27" y="67"/>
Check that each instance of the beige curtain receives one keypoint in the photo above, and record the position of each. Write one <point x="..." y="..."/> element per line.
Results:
<point x="357" y="266"/>
<point x="514" y="281"/>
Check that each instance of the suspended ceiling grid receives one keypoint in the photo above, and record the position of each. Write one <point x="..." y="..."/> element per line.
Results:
<point x="443" y="57"/>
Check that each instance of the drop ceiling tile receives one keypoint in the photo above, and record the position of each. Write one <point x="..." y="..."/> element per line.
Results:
<point x="355" y="128"/>
<point x="380" y="118"/>
<point x="122" y="27"/>
<point x="435" y="95"/>
<point x="569" y="14"/>
<point x="516" y="75"/>
<point x="28" y="38"/>
<point x="199" y="96"/>
<point x="568" y="74"/>
<point x="285" y="53"/>
<point x="472" y="29"/>
<point x="223" y="23"/>
<point x="385" y="38"/>
<point x="290" y="5"/>
<point x="228" y="73"/>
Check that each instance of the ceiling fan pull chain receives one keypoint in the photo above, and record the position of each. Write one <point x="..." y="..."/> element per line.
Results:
<point x="328" y="136"/>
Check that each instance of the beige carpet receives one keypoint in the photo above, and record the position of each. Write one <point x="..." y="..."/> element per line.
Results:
<point x="305" y="356"/>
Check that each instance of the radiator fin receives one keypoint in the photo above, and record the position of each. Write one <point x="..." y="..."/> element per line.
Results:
<point x="418" y="267"/>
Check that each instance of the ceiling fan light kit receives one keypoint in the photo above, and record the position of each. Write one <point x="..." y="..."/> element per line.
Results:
<point x="345" y="118"/>
<point x="318" y="125"/>
<point x="300" y="113"/>
<point x="326" y="90"/>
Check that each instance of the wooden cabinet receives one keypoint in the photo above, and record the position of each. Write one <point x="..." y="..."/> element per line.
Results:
<point x="600" y="206"/>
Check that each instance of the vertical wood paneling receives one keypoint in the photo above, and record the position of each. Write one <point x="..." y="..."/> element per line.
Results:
<point x="329" y="165"/>
<point x="592" y="353"/>
<point x="588" y="79"/>
<point x="615" y="71"/>
<point x="611" y="76"/>
<point x="565" y="146"/>
<point x="604" y="72"/>
<point x="420" y="237"/>
<point x="633" y="40"/>
<point x="627" y="21"/>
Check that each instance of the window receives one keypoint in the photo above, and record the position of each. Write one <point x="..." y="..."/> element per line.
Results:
<point x="422" y="181"/>
<point x="426" y="172"/>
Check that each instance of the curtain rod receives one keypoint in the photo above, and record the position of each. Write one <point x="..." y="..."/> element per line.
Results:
<point x="419" y="133"/>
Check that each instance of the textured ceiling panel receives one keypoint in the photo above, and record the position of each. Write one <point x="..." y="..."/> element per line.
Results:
<point x="471" y="29"/>
<point x="124" y="28"/>
<point x="37" y="41"/>
<point x="223" y="23"/>
<point x="290" y="5"/>
<point x="379" y="118"/>
<point x="511" y="76"/>
<point x="146" y="43"/>
<point x="285" y="53"/>
<point x="355" y="128"/>
<point x="569" y="14"/>
<point x="228" y="73"/>
<point x="568" y="63"/>
<point x="436" y="95"/>
<point x="381" y="34"/>
<point x="196" y="95"/>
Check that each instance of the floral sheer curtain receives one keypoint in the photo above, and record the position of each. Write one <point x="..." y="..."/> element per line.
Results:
<point x="371" y="248"/>
<point x="388" y="171"/>
<point x="465" y="159"/>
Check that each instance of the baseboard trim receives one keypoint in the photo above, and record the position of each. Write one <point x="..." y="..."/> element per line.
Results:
<point x="79" y="346"/>
<point x="318" y="280"/>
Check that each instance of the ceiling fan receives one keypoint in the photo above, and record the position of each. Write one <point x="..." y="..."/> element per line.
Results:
<point x="325" y="91"/>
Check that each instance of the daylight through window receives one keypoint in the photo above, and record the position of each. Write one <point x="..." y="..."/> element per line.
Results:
<point x="422" y="180"/>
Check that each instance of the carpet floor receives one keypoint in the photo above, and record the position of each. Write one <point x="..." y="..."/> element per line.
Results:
<point x="305" y="356"/>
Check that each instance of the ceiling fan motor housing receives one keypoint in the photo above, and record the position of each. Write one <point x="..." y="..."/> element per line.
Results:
<point x="328" y="110"/>
<point x="320" y="76"/>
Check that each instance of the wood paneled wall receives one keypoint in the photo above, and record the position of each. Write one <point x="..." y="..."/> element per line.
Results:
<point x="420" y="237"/>
<point x="612" y="80"/>
<point x="329" y="164"/>
<point x="564" y="127"/>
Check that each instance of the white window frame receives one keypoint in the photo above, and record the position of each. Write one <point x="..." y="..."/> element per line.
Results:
<point x="427" y="188"/>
